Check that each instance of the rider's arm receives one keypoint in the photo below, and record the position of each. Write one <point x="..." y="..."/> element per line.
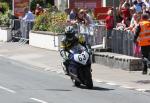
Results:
<point x="82" y="41"/>
<point x="63" y="50"/>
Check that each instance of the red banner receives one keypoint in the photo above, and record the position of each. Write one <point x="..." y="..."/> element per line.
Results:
<point x="19" y="6"/>
<point x="101" y="13"/>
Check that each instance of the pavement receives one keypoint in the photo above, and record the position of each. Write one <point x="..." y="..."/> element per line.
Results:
<point x="51" y="61"/>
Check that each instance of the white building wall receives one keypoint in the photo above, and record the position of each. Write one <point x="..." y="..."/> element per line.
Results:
<point x="61" y="4"/>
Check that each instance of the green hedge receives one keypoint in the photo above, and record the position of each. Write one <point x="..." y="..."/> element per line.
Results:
<point x="51" y="21"/>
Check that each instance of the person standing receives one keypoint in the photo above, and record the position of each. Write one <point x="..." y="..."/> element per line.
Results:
<point x="142" y="37"/>
<point x="138" y="5"/>
<point x="38" y="10"/>
<point x="109" y="27"/>
<point x="28" y="21"/>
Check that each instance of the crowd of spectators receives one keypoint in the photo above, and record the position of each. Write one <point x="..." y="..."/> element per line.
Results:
<point x="128" y="17"/>
<point x="129" y="13"/>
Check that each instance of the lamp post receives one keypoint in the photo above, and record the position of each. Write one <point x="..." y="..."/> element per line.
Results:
<point x="114" y="11"/>
<point x="12" y="7"/>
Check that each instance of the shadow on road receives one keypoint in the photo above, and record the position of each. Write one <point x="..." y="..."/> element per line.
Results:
<point x="96" y="88"/>
<point x="143" y="81"/>
<point x="58" y="90"/>
<point x="101" y="89"/>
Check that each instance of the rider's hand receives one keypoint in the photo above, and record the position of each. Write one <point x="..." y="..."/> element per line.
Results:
<point x="90" y="51"/>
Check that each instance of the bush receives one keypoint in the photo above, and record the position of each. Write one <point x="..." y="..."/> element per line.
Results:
<point x="51" y="21"/>
<point x="4" y="6"/>
<point x="4" y="19"/>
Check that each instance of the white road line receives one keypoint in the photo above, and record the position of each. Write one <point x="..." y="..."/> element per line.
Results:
<point x="38" y="100"/>
<point x="141" y="90"/>
<point x="111" y="83"/>
<point x="8" y="90"/>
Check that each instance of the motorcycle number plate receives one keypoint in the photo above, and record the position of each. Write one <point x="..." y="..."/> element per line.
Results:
<point x="81" y="58"/>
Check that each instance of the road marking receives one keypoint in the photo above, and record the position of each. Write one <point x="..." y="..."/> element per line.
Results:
<point x="38" y="100"/>
<point x="6" y="89"/>
<point x="141" y="90"/>
<point x="111" y="83"/>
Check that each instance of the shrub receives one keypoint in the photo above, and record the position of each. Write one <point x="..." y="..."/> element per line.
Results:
<point x="50" y="21"/>
<point x="4" y="19"/>
<point x="4" y="6"/>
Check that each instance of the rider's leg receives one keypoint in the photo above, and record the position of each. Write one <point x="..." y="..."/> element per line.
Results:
<point x="65" y="67"/>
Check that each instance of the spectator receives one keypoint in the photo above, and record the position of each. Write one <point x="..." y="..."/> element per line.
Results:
<point x="84" y="21"/>
<point x="147" y="3"/>
<point x="125" y="11"/>
<point x="29" y="16"/>
<point x="138" y="5"/>
<point x="125" y="3"/>
<point x="88" y="15"/>
<point x="82" y="17"/>
<point x="72" y="15"/>
<point x="109" y="28"/>
<point x="145" y="10"/>
<point x="28" y="20"/>
<point x="119" y="17"/>
<point x="134" y="22"/>
<point x="38" y="10"/>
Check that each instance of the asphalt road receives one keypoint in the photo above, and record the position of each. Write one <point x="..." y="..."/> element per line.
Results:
<point x="22" y="83"/>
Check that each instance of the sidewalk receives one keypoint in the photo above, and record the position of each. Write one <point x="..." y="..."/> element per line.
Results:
<point x="50" y="60"/>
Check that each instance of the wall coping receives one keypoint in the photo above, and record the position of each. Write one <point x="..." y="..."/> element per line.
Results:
<point x="47" y="33"/>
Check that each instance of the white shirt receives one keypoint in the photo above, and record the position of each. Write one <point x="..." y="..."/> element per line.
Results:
<point x="29" y="16"/>
<point x="147" y="4"/>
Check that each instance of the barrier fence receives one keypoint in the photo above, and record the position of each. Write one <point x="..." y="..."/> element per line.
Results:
<point x="122" y="42"/>
<point x="93" y="33"/>
<point x="20" y="30"/>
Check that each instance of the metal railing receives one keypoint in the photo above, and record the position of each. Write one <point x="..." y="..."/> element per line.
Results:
<point x="20" y="30"/>
<point x="122" y="42"/>
<point x="93" y="33"/>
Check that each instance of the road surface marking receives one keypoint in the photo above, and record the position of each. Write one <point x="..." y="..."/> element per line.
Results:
<point x="141" y="90"/>
<point x="6" y="89"/>
<point x="111" y="83"/>
<point x="38" y="100"/>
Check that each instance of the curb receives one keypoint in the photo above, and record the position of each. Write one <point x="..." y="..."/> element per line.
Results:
<point x="123" y="86"/>
<point x="103" y="82"/>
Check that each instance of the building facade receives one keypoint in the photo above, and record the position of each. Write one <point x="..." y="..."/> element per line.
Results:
<point x="62" y="4"/>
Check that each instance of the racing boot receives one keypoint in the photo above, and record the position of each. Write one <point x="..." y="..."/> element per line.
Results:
<point x="65" y="68"/>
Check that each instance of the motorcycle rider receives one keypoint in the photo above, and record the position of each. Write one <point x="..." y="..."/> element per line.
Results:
<point x="69" y="40"/>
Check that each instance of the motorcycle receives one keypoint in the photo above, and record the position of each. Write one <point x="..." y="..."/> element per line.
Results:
<point x="80" y="66"/>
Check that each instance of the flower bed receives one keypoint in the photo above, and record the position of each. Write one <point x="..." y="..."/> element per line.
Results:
<point x="48" y="29"/>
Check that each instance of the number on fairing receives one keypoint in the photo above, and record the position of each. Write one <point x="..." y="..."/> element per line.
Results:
<point x="81" y="58"/>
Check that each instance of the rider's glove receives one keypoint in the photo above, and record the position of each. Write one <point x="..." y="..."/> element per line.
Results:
<point x="90" y="51"/>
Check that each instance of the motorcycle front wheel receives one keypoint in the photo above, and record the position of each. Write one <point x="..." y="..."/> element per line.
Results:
<point x="75" y="82"/>
<point x="88" y="81"/>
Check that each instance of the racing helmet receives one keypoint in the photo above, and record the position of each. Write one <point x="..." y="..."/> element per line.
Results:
<point x="69" y="32"/>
